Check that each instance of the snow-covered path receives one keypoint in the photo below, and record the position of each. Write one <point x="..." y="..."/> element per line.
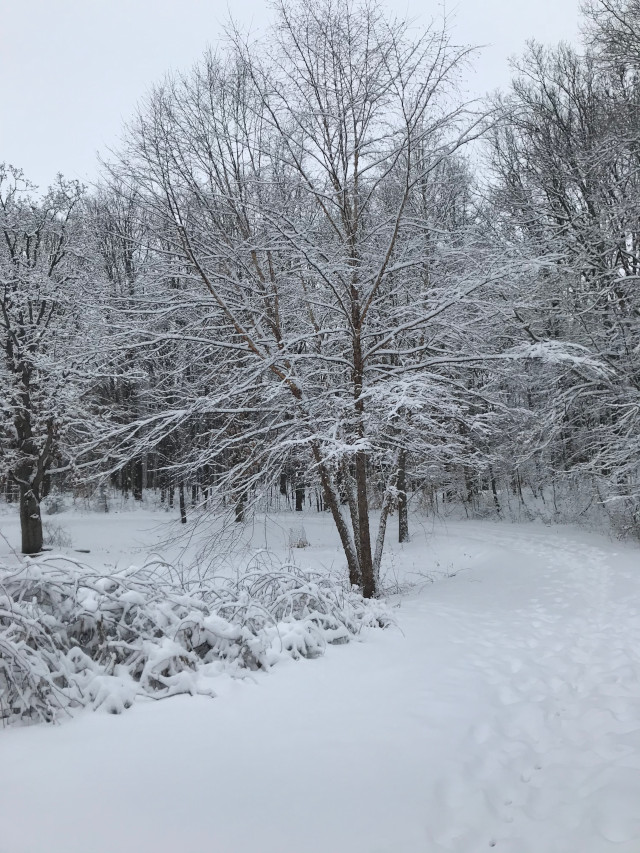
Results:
<point x="553" y="762"/>
<point x="505" y="713"/>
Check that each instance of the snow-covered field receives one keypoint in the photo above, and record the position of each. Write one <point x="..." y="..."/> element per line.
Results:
<point x="502" y="712"/>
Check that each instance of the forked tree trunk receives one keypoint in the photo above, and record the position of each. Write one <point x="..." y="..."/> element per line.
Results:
<point x="333" y="502"/>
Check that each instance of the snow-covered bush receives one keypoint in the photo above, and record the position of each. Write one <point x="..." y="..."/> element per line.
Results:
<point x="54" y="503"/>
<point x="298" y="537"/>
<point x="70" y="636"/>
<point x="55" y="536"/>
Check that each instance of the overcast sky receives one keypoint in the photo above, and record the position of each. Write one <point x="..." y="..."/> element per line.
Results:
<point x="71" y="71"/>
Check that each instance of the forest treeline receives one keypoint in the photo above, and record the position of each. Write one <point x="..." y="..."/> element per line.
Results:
<point x="313" y="270"/>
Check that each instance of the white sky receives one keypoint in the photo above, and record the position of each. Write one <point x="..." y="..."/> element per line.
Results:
<point x="71" y="71"/>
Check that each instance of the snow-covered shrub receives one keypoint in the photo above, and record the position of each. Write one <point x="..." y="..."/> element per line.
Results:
<point x="298" y="537"/>
<point x="54" y="503"/>
<point x="70" y="636"/>
<point x="55" y="536"/>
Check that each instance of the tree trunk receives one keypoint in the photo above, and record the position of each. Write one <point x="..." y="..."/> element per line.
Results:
<point x="403" y="509"/>
<point x="125" y="480"/>
<point x="494" y="490"/>
<point x="30" y="521"/>
<point x="183" y="509"/>
<point x="349" y="489"/>
<point x="103" y="500"/>
<point x="387" y="502"/>
<point x="29" y="474"/>
<point x="382" y="529"/>
<point x="333" y="502"/>
<point x="137" y="479"/>
<point x="239" y="509"/>
<point x="364" y="535"/>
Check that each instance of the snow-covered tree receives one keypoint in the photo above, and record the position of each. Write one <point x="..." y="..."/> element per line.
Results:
<point x="566" y="157"/>
<point x="286" y="188"/>
<point x="41" y="263"/>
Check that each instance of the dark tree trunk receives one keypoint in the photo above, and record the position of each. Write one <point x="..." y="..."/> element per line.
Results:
<point x="102" y="498"/>
<point x="283" y="483"/>
<point x="183" y="508"/>
<point x="125" y="480"/>
<point x="151" y="473"/>
<point x="239" y="508"/>
<point x="494" y="490"/>
<point x="30" y="521"/>
<point x="364" y="535"/>
<point x="29" y="474"/>
<point x="137" y="478"/>
<point x="403" y="509"/>
<point x="299" y="496"/>
<point x="470" y="485"/>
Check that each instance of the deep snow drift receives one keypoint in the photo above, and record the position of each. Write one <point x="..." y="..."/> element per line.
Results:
<point x="503" y="712"/>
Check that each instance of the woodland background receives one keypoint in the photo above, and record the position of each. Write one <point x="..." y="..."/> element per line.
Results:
<point x="315" y="274"/>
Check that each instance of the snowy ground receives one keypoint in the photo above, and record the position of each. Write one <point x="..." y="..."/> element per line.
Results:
<point x="503" y="712"/>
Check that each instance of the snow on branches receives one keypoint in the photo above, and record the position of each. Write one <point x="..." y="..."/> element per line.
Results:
<point x="72" y="637"/>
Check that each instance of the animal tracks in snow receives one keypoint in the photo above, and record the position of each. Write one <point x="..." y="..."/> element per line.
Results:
<point x="556" y="755"/>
